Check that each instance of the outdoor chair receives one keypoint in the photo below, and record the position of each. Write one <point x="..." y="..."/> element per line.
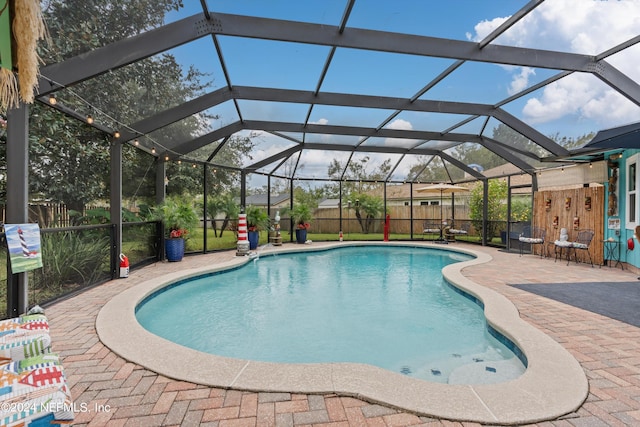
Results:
<point x="431" y="228"/>
<point x="582" y="243"/>
<point x="562" y="243"/>
<point x="452" y="232"/>
<point x="533" y="236"/>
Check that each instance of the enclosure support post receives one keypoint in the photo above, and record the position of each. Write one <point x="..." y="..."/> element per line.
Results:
<point x="485" y="210"/>
<point x="205" y="225"/>
<point x="340" y="204"/>
<point x="116" y="204"/>
<point x="243" y="191"/>
<point x="291" y="208"/>
<point x="161" y="194"/>
<point x="411" y="210"/>
<point x="17" y="210"/>
<point x="269" y="195"/>
<point x="509" y="214"/>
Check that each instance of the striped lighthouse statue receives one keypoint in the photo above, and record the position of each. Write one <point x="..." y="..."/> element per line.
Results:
<point x="243" y="237"/>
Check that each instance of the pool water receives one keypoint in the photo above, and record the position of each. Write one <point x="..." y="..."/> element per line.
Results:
<point x="385" y="306"/>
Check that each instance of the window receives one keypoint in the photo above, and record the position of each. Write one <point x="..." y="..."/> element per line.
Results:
<point x="632" y="192"/>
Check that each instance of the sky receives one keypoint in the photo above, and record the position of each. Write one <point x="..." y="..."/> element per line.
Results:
<point x="570" y="107"/>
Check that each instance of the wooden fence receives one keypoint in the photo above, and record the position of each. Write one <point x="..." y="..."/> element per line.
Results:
<point x="48" y="215"/>
<point x="328" y="220"/>
<point x="574" y="209"/>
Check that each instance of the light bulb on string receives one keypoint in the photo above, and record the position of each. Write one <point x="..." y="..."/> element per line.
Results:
<point x="116" y="134"/>
<point x="52" y="99"/>
<point x="153" y="150"/>
<point x="89" y="118"/>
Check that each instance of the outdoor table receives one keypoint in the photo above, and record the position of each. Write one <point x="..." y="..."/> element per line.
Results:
<point x="612" y="252"/>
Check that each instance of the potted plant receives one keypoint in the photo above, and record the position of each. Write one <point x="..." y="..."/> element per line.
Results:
<point x="301" y="215"/>
<point x="257" y="219"/>
<point x="179" y="219"/>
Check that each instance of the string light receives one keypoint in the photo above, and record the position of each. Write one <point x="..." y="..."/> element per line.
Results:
<point x="166" y="158"/>
<point x="90" y="120"/>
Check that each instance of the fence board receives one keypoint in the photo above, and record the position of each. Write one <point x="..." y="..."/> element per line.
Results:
<point x="588" y="218"/>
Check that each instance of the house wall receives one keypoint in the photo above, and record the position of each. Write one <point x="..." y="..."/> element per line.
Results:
<point x="622" y="213"/>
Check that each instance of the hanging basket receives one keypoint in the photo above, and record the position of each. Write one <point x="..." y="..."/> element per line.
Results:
<point x="174" y="249"/>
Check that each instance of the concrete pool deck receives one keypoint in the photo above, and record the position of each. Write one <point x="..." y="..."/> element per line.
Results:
<point x="98" y="375"/>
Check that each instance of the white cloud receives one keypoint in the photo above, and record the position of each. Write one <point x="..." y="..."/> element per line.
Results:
<point x="521" y="80"/>
<point x="484" y="28"/>
<point x="584" y="27"/>
<point x="400" y="124"/>
<point x="320" y="122"/>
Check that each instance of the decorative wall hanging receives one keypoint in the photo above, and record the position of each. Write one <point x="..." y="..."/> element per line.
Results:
<point x="547" y="203"/>
<point x="613" y="204"/>
<point x="576" y="222"/>
<point x="613" y="183"/>
<point x="555" y="221"/>
<point x="25" y="27"/>
<point x="587" y="203"/>
<point x="567" y="203"/>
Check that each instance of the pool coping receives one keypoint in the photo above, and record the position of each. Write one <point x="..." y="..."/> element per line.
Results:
<point x="553" y="385"/>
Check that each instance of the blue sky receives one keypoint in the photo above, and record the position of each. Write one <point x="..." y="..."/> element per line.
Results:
<point x="571" y="107"/>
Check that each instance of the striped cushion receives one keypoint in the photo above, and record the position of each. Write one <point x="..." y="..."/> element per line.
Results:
<point x="34" y="392"/>
<point x="531" y="240"/>
<point x="456" y="231"/>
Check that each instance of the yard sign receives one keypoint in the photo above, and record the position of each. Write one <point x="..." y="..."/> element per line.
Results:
<point x="23" y="242"/>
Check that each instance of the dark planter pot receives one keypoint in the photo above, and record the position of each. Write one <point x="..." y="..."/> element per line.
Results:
<point x="301" y="235"/>
<point x="254" y="238"/>
<point x="174" y="249"/>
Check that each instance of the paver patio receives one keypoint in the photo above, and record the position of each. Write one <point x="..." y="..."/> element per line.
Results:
<point x="111" y="391"/>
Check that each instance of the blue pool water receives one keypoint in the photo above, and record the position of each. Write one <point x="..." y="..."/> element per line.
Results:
<point x="385" y="306"/>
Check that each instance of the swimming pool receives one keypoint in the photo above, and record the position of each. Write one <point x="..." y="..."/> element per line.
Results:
<point x="553" y="385"/>
<point x="385" y="306"/>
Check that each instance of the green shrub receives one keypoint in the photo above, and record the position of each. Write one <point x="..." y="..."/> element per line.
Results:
<point x="70" y="258"/>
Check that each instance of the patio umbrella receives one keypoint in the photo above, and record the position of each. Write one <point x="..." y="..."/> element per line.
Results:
<point x="627" y="136"/>
<point x="442" y="189"/>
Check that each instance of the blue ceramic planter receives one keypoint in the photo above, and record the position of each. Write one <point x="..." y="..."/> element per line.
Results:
<point x="301" y="235"/>
<point x="174" y="249"/>
<point x="254" y="238"/>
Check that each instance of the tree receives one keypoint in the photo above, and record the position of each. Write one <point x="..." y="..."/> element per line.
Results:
<point x="224" y="204"/>
<point x="367" y="209"/>
<point x="496" y="206"/>
<point x="65" y="151"/>
<point x="357" y="176"/>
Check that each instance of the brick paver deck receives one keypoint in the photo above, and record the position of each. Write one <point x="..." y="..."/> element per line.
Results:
<point x="111" y="391"/>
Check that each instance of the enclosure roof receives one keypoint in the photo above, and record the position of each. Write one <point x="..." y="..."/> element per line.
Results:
<point x="418" y="84"/>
